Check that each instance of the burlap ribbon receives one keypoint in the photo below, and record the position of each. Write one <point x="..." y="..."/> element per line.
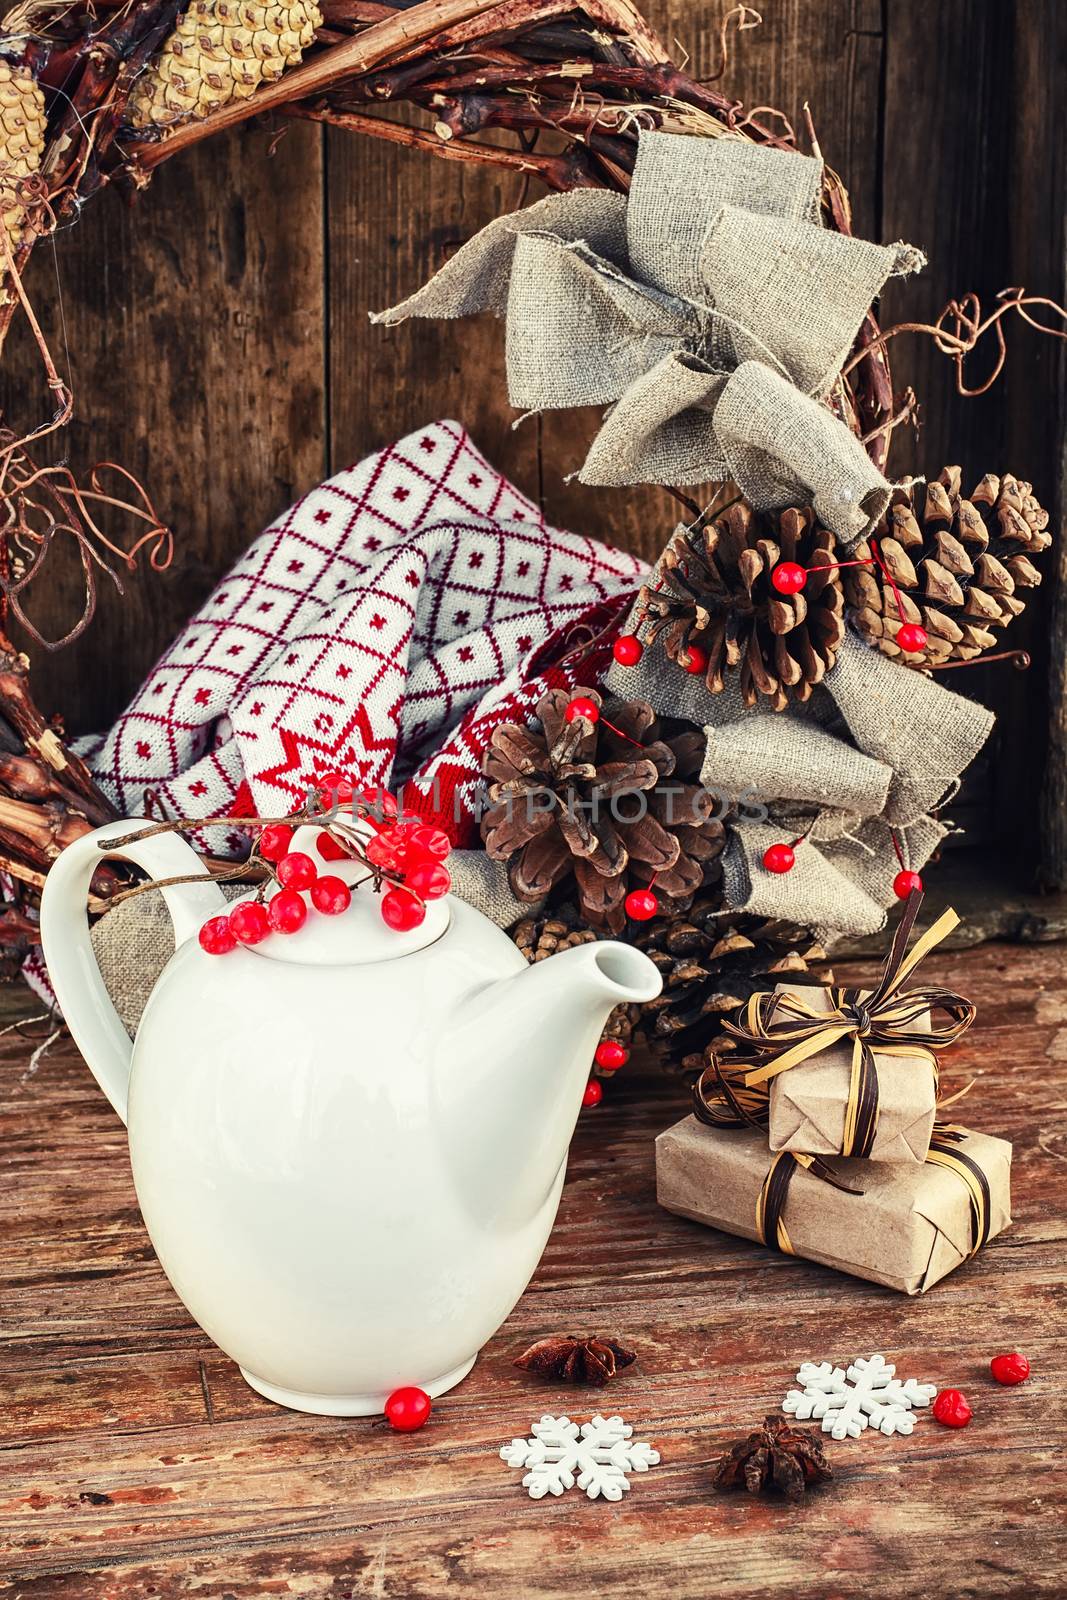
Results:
<point x="776" y="1031"/>
<point x="708" y="307"/>
<point x="771" y="1202"/>
<point x="854" y="769"/>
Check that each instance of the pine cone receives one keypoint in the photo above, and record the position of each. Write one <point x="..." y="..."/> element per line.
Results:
<point x="22" y="132"/>
<point x="221" y="50"/>
<point x="958" y="565"/>
<point x="710" y="965"/>
<point x="713" y="590"/>
<point x="607" y="804"/>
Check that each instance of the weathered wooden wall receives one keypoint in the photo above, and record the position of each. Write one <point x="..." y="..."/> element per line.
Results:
<point x="220" y="346"/>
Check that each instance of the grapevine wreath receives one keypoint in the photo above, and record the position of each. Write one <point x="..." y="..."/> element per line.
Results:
<point x="748" y="661"/>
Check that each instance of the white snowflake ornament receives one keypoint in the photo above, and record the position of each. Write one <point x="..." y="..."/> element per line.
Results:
<point x="598" y="1456"/>
<point x="867" y="1395"/>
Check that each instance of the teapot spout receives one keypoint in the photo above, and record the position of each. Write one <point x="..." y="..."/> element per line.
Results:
<point x="517" y="1065"/>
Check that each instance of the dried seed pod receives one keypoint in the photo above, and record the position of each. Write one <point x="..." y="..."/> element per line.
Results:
<point x="221" y="50"/>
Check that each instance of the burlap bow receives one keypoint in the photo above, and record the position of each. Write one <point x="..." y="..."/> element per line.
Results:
<point x="708" y="307"/>
<point x="777" y="1031"/>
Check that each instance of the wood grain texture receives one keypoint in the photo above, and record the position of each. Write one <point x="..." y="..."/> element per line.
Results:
<point x="194" y="328"/>
<point x="136" y="1464"/>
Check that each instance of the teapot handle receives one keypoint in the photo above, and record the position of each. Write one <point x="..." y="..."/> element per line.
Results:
<point x="68" y="951"/>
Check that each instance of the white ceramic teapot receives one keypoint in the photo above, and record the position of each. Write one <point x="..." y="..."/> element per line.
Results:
<point x="348" y="1144"/>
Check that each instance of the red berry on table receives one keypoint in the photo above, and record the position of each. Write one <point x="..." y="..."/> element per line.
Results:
<point x="331" y="896"/>
<point x="408" y="1409"/>
<point x="951" y="1408"/>
<point x="401" y="911"/>
<point x="779" y="858"/>
<point x="904" y="883"/>
<point x="1010" y="1369"/>
<point x="287" y="912"/>
<point x="789" y="577"/>
<point x="429" y="880"/>
<point x="593" y="1094"/>
<point x="217" y="937"/>
<point x="911" y="638"/>
<point x="641" y="905"/>
<point x="582" y="706"/>
<point x="627" y="650"/>
<point x="249" y="923"/>
<point x="331" y="849"/>
<point x="297" y="871"/>
<point x="694" y="660"/>
<point x="611" y="1055"/>
<point x="431" y="842"/>
<point x="275" y="840"/>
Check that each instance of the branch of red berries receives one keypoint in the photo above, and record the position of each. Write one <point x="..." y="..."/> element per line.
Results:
<point x="404" y="857"/>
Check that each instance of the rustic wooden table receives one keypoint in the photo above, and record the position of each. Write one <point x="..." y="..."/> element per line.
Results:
<point x="138" y="1464"/>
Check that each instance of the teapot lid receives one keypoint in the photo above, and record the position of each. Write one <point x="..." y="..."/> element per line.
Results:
<point x="358" y="936"/>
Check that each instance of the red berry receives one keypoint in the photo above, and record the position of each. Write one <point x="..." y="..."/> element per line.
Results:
<point x="381" y="804"/>
<point x="627" y="650"/>
<point x="611" y="1055"/>
<point x="904" y="883"/>
<point x="429" y="880"/>
<point x="408" y="1409"/>
<point x="336" y="786"/>
<point x="593" y="1094"/>
<point x="297" y="871"/>
<point x="287" y="911"/>
<point x="216" y="937"/>
<point x="386" y="850"/>
<point x="789" y="577"/>
<point x="331" y="849"/>
<point x="911" y="638"/>
<point x="249" y="923"/>
<point x="695" y="659"/>
<point x="274" y="841"/>
<point x="641" y="905"/>
<point x="401" y="911"/>
<point x="582" y="706"/>
<point x="1010" y="1369"/>
<point x="331" y="896"/>
<point x="779" y="858"/>
<point x="952" y="1409"/>
<point x="433" y="843"/>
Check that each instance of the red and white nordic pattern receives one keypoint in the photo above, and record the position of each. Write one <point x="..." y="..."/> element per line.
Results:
<point x="408" y="603"/>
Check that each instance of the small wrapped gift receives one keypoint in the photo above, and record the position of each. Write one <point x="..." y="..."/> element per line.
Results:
<point x="840" y="1071"/>
<point x="906" y="1226"/>
<point x="811" y="1108"/>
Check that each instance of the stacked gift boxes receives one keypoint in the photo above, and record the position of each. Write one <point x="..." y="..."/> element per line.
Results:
<point x="817" y="1130"/>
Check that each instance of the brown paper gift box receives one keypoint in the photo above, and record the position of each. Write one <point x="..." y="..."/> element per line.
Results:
<point x="909" y="1228"/>
<point x="807" y="1103"/>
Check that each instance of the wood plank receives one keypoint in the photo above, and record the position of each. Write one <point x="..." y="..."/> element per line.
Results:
<point x="395" y="216"/>
<point x="194" y="325"/>
<point x="136" y="1463"/>
<point x="985" y="211"/>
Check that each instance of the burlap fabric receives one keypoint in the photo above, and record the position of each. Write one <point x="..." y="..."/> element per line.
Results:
<point x="708" y="308"/>
<point x="858" y="765"/>
<point x="133" y="942"/>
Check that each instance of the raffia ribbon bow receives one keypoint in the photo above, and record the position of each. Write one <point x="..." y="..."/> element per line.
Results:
<point x="778" y="1031"/>
<point x="708" y="308"/>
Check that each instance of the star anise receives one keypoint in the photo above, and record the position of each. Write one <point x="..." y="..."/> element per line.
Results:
<point x="776" y="1456"/>
<point x="576" y="1360"/>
